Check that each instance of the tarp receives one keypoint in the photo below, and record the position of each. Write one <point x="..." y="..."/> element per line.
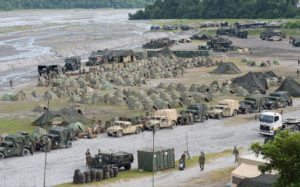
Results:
<point x="251" y="82"/>
<point x="264" y="180"/>
<point x="78" y="127"/>
<point x="246" y="171"/>
<point x="69" y="115"/>
<point x="226" y="68"/>
<point x="291" y="86"/>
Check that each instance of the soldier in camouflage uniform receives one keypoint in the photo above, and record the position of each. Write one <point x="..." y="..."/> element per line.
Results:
<point x="202" y="161"/>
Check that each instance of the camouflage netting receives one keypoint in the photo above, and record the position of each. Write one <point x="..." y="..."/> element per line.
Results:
<point x="291" y="86"/>
<point x="227" y="68"/>
<point x="251" y="82"/>
<point x="7" y="97"/>
<point x="49" y="95"/>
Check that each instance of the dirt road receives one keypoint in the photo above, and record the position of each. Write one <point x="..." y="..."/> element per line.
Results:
<point x="212" y="136"/>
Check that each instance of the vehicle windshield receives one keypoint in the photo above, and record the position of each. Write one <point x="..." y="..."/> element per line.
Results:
<point x="219" y="107"/>
<point x="266" y="118"/>
<point x="275" y="95"/>
<point x="192" y="108"/>
<point x="272" y="99"/>
<point x="155" y="118"/>
<point x="54" y="132"/>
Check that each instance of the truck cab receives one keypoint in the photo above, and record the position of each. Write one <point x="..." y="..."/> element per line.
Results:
<point x="253" y="103"/>
<point x="119" y="159"/>
<point x="269" y="123"/>
<point x="15" y="145"/>
<point x="199" y="111"/>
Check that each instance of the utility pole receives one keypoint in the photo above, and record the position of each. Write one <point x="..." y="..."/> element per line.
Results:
<point x="153" y="157"/>
<point x="47" y="145"/>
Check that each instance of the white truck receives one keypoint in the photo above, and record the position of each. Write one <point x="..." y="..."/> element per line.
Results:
<point x="271" y="122"/>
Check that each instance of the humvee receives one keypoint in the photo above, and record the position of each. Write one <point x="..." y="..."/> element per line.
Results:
<point x="121" y="128"/>
<point x="278" y="99"/>
<point x="225" y="108"/>
<point x="199" y="111"/>
<point x="119" y="159"/>
<point x="252" y="103"/>
<point x="72" y="63"/>
<point x="272" y="35"/>
<point x="60" y="137"/>
<point x="15" y="145"/>
<point x="166" y="118"/>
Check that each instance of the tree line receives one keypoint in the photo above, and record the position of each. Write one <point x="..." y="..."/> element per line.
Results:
<point x="66" y="4"/>
<point x="214" y="9"/>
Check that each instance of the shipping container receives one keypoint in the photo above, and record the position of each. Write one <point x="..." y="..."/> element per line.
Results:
<point x="163" y="158"/>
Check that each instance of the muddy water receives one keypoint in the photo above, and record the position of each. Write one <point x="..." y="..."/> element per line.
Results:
<point x="32" y="37"/>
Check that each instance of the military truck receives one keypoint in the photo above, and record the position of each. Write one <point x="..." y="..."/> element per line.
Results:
<point x="57" y="137"/>
<point x="199" y="112"/>
<point x="166" y="118"/>
<point x="252" y="103"/>
<point x="233" y="32"/>
<point x="119" y="159"/>
<point x="279" y="99"/>
<point x="219" y="44"/>
<point x="72" y="63"/>
<point x="272" y="35"/>
<point x="16" y="145"/>
<point x="225" y="108"/>
<point x="121" y="128"/>
<point x="46" y="70"/>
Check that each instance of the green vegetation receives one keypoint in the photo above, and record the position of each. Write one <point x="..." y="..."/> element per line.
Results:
<point x="283" y="153"/>
<point x="292" y="24"/>
<point x="11" y="126"/>
<point x="132" y="174"/>
<point x="211" y="9"/>
<point x="50" y="4"/>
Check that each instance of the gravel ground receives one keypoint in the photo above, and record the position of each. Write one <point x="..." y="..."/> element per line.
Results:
<point x="212" y="136"/>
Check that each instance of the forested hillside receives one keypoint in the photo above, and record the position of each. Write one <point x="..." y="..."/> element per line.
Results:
<point x="173" y="9"/>
<point x="43" y="4"/>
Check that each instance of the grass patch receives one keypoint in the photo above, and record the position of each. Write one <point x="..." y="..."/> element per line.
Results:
<point x="133" y="174"/>
<point x="11" y="126"/>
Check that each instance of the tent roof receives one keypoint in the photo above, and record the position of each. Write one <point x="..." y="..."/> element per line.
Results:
<point x="251" y="82"/>
<point x="291" y="86"/>
<point x="226" y="68"/>
<point x="264" y="180"/>
<point x="70" y="115"/>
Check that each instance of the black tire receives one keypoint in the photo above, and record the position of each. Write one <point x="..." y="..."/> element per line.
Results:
<point x="247" y="111"/>
<point x="119" y="134"/>
<point x="156" y="127"/>
<point x="2" y="156"/>
<point x="138" y="130"/>
<point x="173" y="124"/>
<point x="127" y="166"/>
<point x="109" y="134"/>
<point x="204" y="118"/>
<point x="25" y="152"/>
<point x="219" y="116"/>
<point x="272" y="107"/>
<point x="69" y="144"/>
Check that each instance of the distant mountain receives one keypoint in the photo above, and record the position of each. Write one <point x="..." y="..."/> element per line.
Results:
<point x="67" y="4"/>
<point x="213" y="9"/>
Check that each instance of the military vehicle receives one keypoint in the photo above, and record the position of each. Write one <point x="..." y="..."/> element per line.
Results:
<point x="295" y="41"/>
<point x="16" y="145"/>
<point x="204" y="47"/>
<point x="225" y="108"/>
<point x="200" y="37"/>
<point x="72" y="63"/>
<point x="252" y="103"/>
<point x="121" y="128"/>
<point x="60" y="137"/>
<point x="46" y="70"/>
<point x="119" y="159"/>
<point x="219" y="44"/>
<point x="279" y="99"/>
<point x="232" y="32"/>
<point x="166" y="118"/>
<point x="95" y="59"/>
<point x="199" y="112"/>
<point x="159" y="43"/>
<point x="185" y="118"/>
<point x="272" y="35"/>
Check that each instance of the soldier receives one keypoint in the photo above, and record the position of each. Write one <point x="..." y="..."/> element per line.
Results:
<point x="298" y="72"/>
<point x="190" y="117"/>
<point x="99" y="152"/>
<point x="298" y="62"/>
<point x="87" y="154"/>
<point x="183" y="157"/>
<point x="236" y="153"/>
<point x="202" y="161"/>
<point x="89" y="160"/>
<point x="11" y="84"/>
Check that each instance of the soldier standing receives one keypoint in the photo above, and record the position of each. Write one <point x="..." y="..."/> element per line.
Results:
<point x="202" y="161"/>
<point x="298" y="62"/>
<point x="236" y="153"/>
<point x="87" y="154"/>
<point x="11" y="84"/>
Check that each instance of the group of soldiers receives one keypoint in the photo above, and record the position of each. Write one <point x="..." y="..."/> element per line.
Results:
<point x="202" y="157"/>
<point x="89" y="158"/>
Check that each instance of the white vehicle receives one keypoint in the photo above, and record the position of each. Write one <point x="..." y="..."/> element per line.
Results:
<point x="270" y="122"/>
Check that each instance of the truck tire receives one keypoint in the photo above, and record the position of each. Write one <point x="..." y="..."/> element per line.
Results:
<point x="204" y="118"/>
<point x="69" y="144"/>
<point x="156" y="127"/>
<point x="173" y="124"/>
<point x="234" y="113"/>
<point x="138" y="130"/>
<point x="272" y="107"/>
<point x="25" y="152"/>
<point x="109" y="134"/>
<point x="119" y="134"/>
<point x="219" y="116"/>
<point x="2" y="156"/>
<point x="247" y="111"/>
<point x="127" y="166"/>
